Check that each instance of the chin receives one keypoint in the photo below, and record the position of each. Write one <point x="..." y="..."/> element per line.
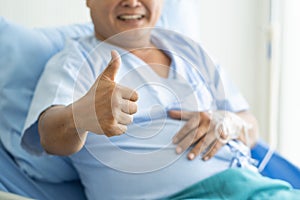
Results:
<point x="132" y="37"/>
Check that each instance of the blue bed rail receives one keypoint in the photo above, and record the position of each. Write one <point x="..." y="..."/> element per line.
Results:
<point x="274" y="165"/>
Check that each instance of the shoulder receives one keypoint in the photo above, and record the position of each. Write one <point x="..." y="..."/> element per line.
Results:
<point x="173" y="38"/>
<point x="77" y="48"/>
<point x="180" y="45"/>
<point x="185" y="48"/>
<point x="85" y="55"/>
<point x="74" y="52"/>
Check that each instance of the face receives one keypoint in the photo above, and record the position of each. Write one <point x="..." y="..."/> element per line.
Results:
<point x="111" y="17"/>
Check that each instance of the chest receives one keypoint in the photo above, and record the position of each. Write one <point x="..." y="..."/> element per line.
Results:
<point x="157" y="60"/>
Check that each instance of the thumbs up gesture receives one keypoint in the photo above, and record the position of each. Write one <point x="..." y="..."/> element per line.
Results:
<point x="107" y="107"/>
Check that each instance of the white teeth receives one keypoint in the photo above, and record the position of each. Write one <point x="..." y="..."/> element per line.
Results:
<point x="129" y="17"/>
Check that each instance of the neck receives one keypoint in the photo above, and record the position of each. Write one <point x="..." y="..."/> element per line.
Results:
<point x="129" y="40"/>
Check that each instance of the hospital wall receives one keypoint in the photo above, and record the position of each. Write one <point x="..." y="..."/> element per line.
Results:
<point x="233" y="31"/>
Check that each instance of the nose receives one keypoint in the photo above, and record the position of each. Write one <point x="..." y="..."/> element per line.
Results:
<point x="131" y="3"/>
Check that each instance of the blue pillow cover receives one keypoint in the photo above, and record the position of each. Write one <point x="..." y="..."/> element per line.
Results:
<point x="24" y="53"/>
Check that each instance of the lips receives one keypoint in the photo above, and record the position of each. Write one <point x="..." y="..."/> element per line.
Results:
<point x="126" y="17"/>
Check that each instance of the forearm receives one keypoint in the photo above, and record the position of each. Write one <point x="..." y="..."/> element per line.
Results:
<point x="58" y="132"/>
<point x="253" y="131"/>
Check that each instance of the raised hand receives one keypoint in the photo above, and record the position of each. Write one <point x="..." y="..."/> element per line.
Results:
<point x="107" y="108"/>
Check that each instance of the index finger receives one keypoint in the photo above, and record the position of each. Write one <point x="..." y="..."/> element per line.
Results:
<point x="181" y="115"/>
<point x="129" y="94"/>
<point x="189" y="126"/>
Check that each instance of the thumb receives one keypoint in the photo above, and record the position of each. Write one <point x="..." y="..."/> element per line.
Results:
<point x="113" y="67"/>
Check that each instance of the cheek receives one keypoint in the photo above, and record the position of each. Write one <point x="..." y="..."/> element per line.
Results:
<point x="156" y="9"/>
<point x="103" y="16"/>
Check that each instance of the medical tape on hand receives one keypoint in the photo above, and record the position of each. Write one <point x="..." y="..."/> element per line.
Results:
<point x="230" y="125"/>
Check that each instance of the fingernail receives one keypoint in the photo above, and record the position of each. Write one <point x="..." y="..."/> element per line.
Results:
<point x="191" y="156"/>
<point x="178" y="150"/>
<point x="206" y="158"/>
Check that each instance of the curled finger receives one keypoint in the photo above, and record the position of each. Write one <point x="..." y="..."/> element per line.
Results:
<point x="128" y="107"/>
<point x="128" y="93"/>
<point x="123" y="118"/>
<point x="213" y="149"/>
<point x="187" y="141"/>
<point x="117" y="129"/>
<point x="201" y="146"/>
<point x="191" y="138"/>
<point x="188" y="128"/>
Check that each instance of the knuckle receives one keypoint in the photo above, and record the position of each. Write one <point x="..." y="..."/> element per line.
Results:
<point x="109" y="132"/>
<point x="115" y="130"/>
<point x="205" y="117"/>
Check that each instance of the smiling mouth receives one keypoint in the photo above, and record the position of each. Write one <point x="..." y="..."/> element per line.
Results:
<point x="130" y="17"/>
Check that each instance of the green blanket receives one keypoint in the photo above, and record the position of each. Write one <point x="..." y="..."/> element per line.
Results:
<point x="239" y="184"/>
